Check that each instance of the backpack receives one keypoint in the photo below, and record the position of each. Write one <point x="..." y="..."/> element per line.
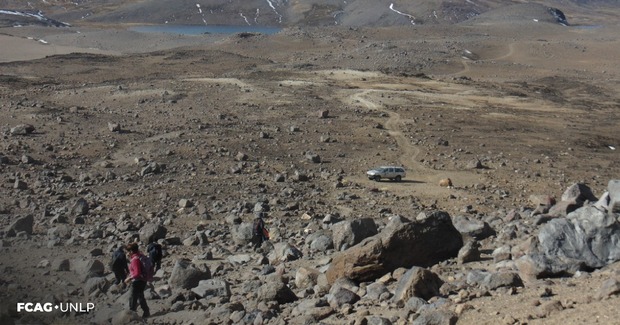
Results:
<point x="146" y="268"/>
<point x="155" y="252"/>
<point x="118" y="261"/>
<point x="258" y="229"/>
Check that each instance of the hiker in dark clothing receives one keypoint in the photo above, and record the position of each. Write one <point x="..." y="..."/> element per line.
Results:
<point x="137" y="279"/>
<point x="119" y="265"/>
<point x="155" y="253"/>
<point x="259" y="232"/>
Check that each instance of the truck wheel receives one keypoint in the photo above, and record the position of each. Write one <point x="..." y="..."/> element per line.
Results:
<point x="398" y="178"/>
<point x="377" y="178"/>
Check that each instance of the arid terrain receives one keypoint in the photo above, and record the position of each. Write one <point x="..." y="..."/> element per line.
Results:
<point x="106" y="132"/>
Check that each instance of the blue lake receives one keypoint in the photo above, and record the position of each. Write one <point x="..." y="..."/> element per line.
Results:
<point x="204" y="29"/>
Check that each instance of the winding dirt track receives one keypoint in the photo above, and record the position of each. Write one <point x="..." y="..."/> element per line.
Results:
<point x="421" y="180"/>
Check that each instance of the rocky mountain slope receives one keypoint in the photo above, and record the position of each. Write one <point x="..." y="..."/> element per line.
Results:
<point x="187" y="145"/>
<point x="289" y="13"/>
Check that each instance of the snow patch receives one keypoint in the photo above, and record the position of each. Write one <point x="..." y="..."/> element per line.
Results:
<point x="244" y="18"/>
<point x="402" y="13"/>
<point x="204" y="20"/>
<point x="39" y="16"/>
<point x="276" y="11"/>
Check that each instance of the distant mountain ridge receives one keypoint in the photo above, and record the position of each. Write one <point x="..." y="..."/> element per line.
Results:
<point x="286" y="12"/>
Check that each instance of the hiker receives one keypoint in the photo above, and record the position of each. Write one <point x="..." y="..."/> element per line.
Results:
<point x="137" y="278"/>
<point x="119" y="265"/>
<point x="155" y="253"/>
<point x="259" y="232"/>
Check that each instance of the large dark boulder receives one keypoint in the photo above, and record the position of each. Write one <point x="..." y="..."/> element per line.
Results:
<point x="402" y="243"/>
<point x="351" y="232"/>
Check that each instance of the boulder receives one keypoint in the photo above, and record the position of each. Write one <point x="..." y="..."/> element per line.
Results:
<point x="586" y="239"/>
<point x="22" y="129"/>
<point x="614" y="195"/>
<point x="284" y="252"/>
<point x="152" y="232"/>
<point x="321" y="243"/>
<point x="242" y="233"/>
<point x="402" y="243"/>
<point x="579" y="193"/>
<point x="436" y="317"/>
<point x="306" y="277"/>
<point x="469" y="253"/>
<point x="349" y="233"/>
<point x="417" y="282"/>
<point x="94" y="284"/>
<point x="475" y="229"/>
<point x="212" y="288"/>
<point x="88" y="268"/>
<point x="22" y="224"/>
<point x="186" y="275"/>
<point x="493" y="280"/>
<point x="276" y="290"/>
<point x="80" y="207"/>
<point x="340" y="295"/>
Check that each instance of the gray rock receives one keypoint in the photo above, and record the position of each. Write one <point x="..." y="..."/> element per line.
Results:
<point x="22" y="129"/>
<point x="22" y="224"/>
<point x="61" y="231"/>
<point x="185" y="203"/>
<point x="80" y="207"/>
<point x="609" y="288"/>
<point x="114" y="127"/>
<point x="276" y="290"/>
<point x="351" y="232"/>
<point x="313" y="158"/>
<point x="561" y="209"/>
<point x="475" y="229"/>
<point x="212" y="287"/>
<point x="186" y="275"/>
<point x="470" y="252"/>
<point x="321" y="243"/>
<point x="436" y="317"/>
<point x="586" y="239"/>
<point x="151" y="168"/>
<point x="239" y="258"/>
<point x="20" y="185"/>
<point x="152" y="232"/>
<point x="614" y="195"/>
<point x="339" y="296"/>
<point x="61" y="265"/>
<point x="375" y="290"/>
<point x="579" y="193"/>
<point x="502" y="253"/>
<point x="414" y="304"/>
<point x="502" y="279"/>
<point x="417" y="282"/>
<point x="474" y="164"/>
<point x="306" y="277"/>
<point x="94" y="284"/>
<point x="376" y="320"/>
<point x="284" y="252"/>
<point x="88" y="268"/>
<point x="242" y="233"/>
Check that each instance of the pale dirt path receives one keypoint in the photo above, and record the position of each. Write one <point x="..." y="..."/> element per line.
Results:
<point x="467" y="68"/>
<point x="423" y="181"/>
